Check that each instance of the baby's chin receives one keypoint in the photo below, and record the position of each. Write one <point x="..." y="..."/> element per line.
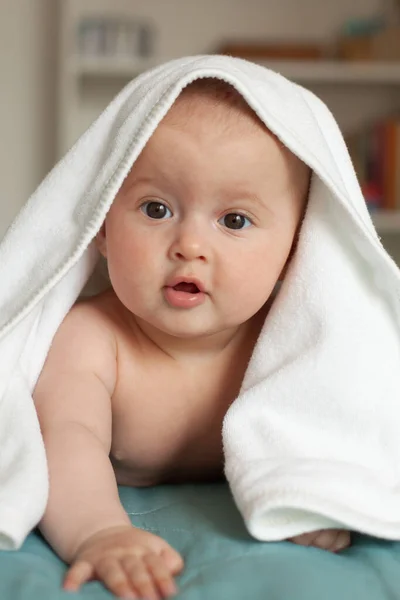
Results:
<point x="190" y="331"/>
<point x="189" y="328"/>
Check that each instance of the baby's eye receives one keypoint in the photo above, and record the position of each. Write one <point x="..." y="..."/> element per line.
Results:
<point x="235" y="221"/>
<point x="155" y="210"/>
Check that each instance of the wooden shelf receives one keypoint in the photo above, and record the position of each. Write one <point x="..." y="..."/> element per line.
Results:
<point x="387" y="222"/>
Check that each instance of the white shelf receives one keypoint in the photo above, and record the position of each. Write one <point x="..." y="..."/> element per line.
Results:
<point x="319" y="71"/>
<point x="338" y="72"/>
<point x="109" y="67"/>
<point x="387" y="221"/>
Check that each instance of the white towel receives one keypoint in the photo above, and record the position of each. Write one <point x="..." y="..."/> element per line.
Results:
<point x="313" y="439"/>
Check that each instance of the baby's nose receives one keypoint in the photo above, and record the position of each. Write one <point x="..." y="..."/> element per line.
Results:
<point x="190" y="245"/>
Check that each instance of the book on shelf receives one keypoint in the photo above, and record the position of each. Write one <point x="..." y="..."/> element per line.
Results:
<point x="375" y="152"/>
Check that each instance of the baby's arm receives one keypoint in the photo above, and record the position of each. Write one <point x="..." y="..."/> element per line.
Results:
<point x="84" y="520"/>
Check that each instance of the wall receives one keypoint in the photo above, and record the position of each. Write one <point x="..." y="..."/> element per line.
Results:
<point x="27" y="97"/>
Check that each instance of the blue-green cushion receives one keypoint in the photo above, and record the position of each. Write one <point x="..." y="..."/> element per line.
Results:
<point x="222" y="561"/>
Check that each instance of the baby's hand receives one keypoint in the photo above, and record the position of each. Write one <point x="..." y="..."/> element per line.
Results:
<point x="132" y="563"/>
<point x="327" y="539"/>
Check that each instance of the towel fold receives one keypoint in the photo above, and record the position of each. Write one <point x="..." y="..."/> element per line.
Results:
<point x="312" y="439"/>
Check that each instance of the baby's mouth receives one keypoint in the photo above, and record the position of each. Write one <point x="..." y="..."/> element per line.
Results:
<point x="189" y="288"/>
<point x="184" y="294"/>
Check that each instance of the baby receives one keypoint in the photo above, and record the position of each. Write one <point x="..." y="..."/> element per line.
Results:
<point x="138" y="378"/>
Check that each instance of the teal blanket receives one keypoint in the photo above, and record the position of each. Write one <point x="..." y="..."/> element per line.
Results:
<point x="222" y="561"/>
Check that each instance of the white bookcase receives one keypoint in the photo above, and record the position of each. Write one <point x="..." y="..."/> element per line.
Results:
<point x="355" y="92"/>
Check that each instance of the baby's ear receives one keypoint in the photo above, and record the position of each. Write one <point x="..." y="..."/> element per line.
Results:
<point x="101" y="241"/>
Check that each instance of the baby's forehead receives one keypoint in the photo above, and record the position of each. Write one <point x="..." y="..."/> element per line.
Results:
<point x="215" y="102"/>
<point x="214" y="107"/>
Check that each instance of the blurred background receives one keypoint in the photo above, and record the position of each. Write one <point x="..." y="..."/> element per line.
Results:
<point x="62" y="61"/>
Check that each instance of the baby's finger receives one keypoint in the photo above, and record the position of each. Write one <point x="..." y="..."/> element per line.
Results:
<point x="326" y="538"/>
<point x="343" y="541"/>
<point x="140" y="578"/>
<point x="305" y="539"/>
<point x="161" y="575"/>
<point x="172" y="560"/>
<point x="110" y="571"/>
<point x="79" y="573"/>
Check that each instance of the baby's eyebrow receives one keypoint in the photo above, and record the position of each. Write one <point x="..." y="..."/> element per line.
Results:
<point x="254" y="199"/>
<point x="140" y="180"/>
<point x="247" y="197"/>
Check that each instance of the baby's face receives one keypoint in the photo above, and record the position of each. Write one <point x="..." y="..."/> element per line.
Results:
<point x="213" y="201"/>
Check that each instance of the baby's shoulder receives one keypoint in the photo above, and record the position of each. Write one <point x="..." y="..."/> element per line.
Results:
<point x="89" y="319"/>
<point x="85" y="341"/>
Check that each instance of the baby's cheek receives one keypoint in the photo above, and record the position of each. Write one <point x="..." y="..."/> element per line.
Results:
<point x="256" y="274"/>
<point x="247" y="288"/>
<point x="130" y="249"/>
